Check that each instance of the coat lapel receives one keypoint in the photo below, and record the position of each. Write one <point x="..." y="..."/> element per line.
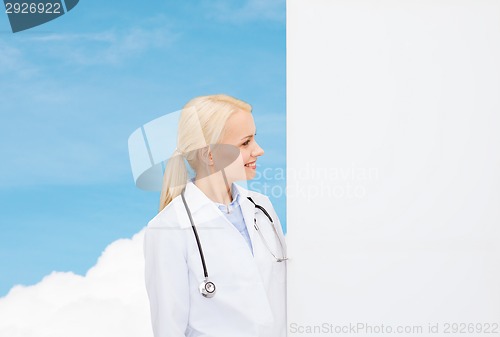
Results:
<point x="261" y="255"/>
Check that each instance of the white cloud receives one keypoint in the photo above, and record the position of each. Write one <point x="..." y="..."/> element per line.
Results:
<point x="110" y="300"/>
<point x="97" y="37"/>
<point x="107" y="47"/>
<point x="270" y="10"/>
<point x="12" y="62"/>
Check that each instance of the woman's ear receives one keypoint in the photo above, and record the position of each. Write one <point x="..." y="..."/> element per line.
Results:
<point x="205" y="156"/>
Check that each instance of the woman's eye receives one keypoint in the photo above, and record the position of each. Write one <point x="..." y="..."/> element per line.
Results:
<point x="246" y="143"/>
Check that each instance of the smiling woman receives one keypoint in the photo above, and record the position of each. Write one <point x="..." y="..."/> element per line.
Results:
<point x="211" y="224"/>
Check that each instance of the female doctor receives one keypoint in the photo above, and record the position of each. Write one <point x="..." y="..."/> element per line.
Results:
<point x="215" y="254"/>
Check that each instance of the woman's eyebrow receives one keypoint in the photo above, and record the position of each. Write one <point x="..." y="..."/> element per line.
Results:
<point x="250" y="136"/>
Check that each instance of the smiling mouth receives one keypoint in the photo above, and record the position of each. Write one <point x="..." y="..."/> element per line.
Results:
<point x="251" y="165"/>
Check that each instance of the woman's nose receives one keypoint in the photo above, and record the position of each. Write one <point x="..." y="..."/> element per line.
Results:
<point x="258" y="151"/>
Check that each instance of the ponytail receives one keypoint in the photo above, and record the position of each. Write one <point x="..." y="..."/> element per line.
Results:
<point x="174" y="179"/>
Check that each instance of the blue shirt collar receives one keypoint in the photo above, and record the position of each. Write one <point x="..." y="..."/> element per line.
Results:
<point x="234" y="204"/>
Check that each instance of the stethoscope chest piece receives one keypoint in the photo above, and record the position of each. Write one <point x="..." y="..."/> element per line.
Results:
<point x="207" y="288"/>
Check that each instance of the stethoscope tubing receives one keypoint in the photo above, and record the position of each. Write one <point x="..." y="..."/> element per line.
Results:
<point x="262" y="209"/>
<point x="198" y="242"/>
<point x="278" y="259"/>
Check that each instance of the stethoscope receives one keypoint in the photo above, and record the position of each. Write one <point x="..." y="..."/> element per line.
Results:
<point x="207" y="288"/>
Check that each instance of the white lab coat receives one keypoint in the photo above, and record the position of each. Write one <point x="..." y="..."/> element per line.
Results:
<point x="250" y="300"/>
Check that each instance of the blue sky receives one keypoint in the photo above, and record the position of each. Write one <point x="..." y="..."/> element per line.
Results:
<point x="74" y="89"/>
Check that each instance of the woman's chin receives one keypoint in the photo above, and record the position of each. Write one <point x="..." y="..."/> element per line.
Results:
<point x="250" y="174"/>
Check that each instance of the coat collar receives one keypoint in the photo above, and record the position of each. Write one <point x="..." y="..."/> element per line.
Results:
<point x="198" y="199"/>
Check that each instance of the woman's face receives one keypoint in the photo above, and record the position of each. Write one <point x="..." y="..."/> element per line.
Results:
<point x="240" y="132"/>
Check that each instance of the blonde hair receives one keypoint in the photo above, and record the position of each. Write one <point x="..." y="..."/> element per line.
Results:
<point x="201" y="123"/>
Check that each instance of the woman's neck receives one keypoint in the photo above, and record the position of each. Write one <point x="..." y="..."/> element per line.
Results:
<point x="216" y="188"/>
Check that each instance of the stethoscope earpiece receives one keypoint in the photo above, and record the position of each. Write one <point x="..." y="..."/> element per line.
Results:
<point x="207" y="288"/>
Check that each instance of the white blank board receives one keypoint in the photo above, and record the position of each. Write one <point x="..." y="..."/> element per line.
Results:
<point x="393" y="120"/>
